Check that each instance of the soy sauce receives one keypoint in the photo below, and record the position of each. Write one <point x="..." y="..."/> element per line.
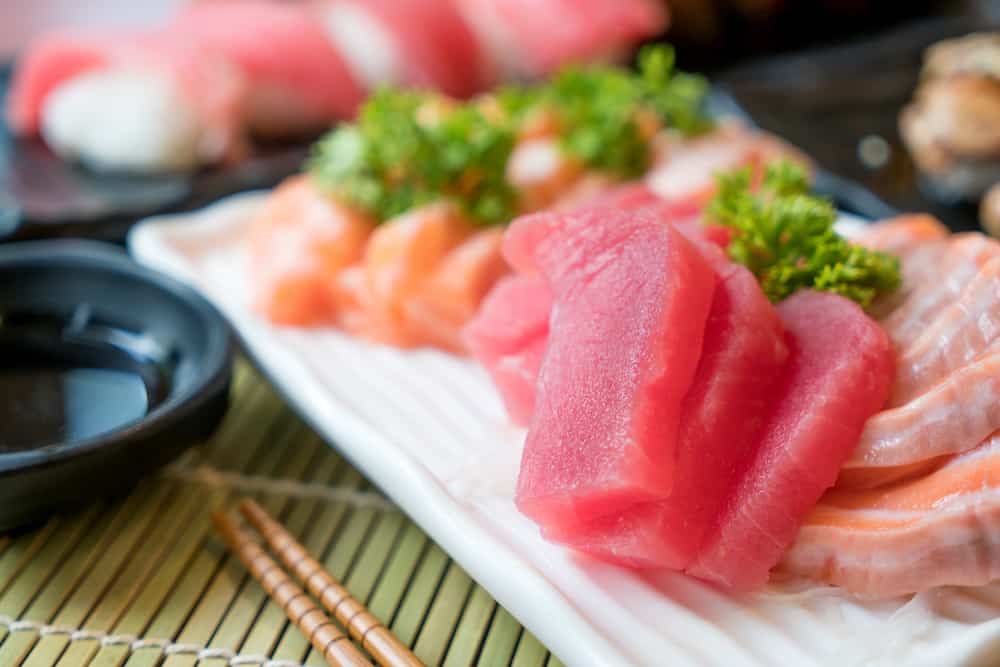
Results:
<point x="69" y="377"/>
<point x="45" y="405"/>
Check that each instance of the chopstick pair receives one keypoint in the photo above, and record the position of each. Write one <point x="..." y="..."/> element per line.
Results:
<point x="315" y="624"/>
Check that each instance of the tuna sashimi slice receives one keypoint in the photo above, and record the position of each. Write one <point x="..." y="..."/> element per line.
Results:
<point x="534" y="37"/>
<point x="838" y="375"/>
<point x="509" y="335"/>
<point x="410" y="42"/>
<point x="683" y="213"/>
<point x="631" y="298"/>
<point x="937" y="529"/>
<point x="298" y="80"/>
<point x="721" y="419"/>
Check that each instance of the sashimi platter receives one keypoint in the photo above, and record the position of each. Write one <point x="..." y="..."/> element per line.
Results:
<point x="665" y="403"/>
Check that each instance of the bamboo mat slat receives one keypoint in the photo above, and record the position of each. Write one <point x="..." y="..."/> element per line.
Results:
<point x="141" y="580"/>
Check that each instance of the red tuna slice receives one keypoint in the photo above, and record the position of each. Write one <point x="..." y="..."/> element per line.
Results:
<point x="639" y="195"/>
<point x="635" y="197"/>
<point x="509" y="335"/>
<point x="535" y="37"/>
<point x="297" y="76"/>
<point x="838" y="375"/>
<point x="721" y="420"/>
<point x="426" y="44"/>
<point x="684" y="214"/>
<point x="631" y="298"/>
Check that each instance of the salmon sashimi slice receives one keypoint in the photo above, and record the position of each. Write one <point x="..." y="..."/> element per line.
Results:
<point x="509" y="336"/>
<point x="966" y="328"/>
<point x="685" y="169"/>
<point x="452" y="293"/>
<point x="721" y="419"/>
<point x="914" y="265"/>
<point x="604" y="432"/>
<point x="946" y="335"/>
<point x="952" y="417"/>
<point x="952" y="263"/>
<point x="838" y="375"/>
<point x="869" y="477"/>
<point x="299" y="242"/>
<point x="902" y="233"/>
<point x="934" y="530"/>
<point x="399" y="259"/>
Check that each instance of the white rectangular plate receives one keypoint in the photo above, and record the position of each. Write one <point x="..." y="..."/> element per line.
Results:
<point x="429" y="430"/>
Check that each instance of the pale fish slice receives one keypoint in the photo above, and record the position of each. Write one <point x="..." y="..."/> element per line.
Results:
<point x="942" y="528"/>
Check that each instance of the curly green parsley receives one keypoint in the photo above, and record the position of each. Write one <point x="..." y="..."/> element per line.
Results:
<point x="785" y="237"/>
<point x="603" y="111"/>
<point x="407" y="149"/>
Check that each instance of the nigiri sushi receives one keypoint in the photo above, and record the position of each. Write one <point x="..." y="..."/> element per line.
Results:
<point x="188" y="93"/>
<point x="136" y="102"/>
<point x="415" y="43"/>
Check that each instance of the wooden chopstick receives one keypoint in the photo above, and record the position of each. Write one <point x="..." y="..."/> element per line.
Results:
<point x="377" y="639"/>
<point x="336" y="647"/>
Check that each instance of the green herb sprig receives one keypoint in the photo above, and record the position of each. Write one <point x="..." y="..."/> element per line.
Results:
<point x="599" y="108"/>
<point x="785" y="237"/>
<point x="407" y="149"/>
<point x="397" y="156"/>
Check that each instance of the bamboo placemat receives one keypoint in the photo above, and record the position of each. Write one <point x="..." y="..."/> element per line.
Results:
<point x="142" y="581"/>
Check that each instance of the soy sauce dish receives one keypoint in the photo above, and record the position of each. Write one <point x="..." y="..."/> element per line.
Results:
<point x="108" y="370"/>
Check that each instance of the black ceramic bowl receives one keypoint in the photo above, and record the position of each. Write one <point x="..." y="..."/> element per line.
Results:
<point x="107" y="371"/>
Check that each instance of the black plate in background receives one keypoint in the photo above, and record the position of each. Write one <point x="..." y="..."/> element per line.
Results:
<point x="107" y="371"/>
<point x="43" y="196"/>
<point x="827" y="100"/>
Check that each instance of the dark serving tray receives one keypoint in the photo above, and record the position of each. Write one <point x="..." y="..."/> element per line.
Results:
<point x="827" y="101"/>
<point x="44" y="196"/>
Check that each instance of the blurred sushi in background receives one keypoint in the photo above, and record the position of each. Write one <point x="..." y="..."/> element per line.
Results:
<point x="201" y="86"/>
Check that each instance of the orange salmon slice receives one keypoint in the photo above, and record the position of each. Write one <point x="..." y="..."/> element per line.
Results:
<point x="299" y="242"/>
<point x="452" y="294"/>
<point x="937" y="529"/>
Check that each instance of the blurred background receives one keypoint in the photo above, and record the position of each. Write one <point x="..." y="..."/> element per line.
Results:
<point x="831" y="76"/>
<point x="711" y="33"/>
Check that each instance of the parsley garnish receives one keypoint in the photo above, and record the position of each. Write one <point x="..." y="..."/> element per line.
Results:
<point x="607" y="114"/>
<point x="785" y="237"/>
<point x="407" y="149"/>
